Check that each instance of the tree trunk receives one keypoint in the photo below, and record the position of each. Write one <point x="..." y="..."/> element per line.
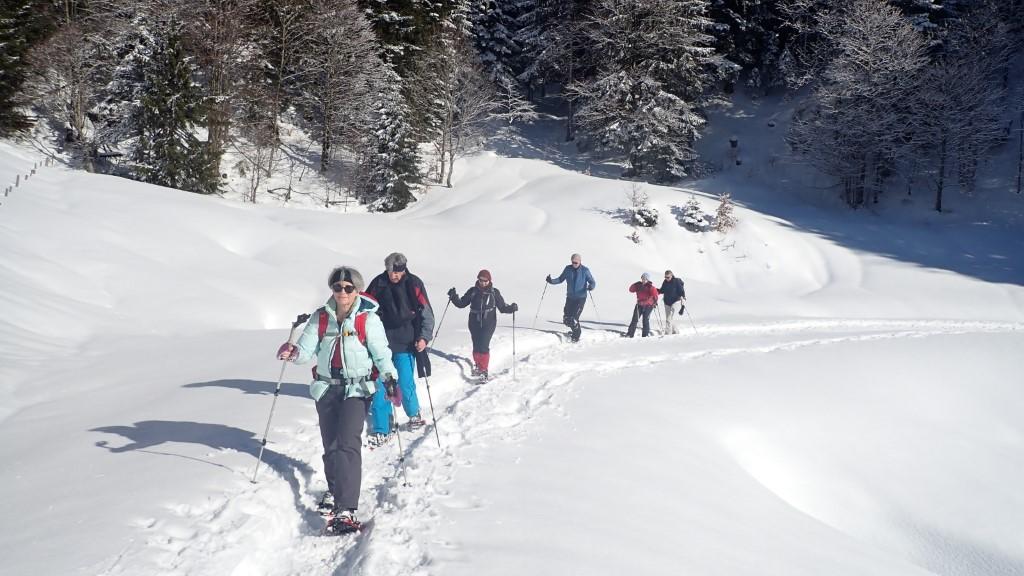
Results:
<point x="1020" y="152"/>
<point x="942" y="174"/>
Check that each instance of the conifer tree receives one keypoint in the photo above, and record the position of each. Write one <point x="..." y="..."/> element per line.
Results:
<point x="391" y="163"/>
<point x="20" y="27"/>
<point x="171" y="109"/>
<point x="647" y="96"/>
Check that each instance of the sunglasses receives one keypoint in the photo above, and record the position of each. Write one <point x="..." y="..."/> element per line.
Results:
<point x="484" y="280"/>
<point x="346" y="288"/>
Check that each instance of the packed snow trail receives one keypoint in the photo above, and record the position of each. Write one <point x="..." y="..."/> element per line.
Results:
<point x="271" y="528"/>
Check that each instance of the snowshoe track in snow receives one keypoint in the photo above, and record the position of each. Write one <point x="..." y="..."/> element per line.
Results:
<point x="272" y="528"/>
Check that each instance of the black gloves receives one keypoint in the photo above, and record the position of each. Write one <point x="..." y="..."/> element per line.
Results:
<point x="390" y="387"/>
<point x="452" y="294"/>
<point x="514" y="307"/>
<point x="548" y="278"/>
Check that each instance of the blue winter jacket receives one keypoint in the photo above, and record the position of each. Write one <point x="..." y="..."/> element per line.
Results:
<point x="357" y="360"/>
<point x="578" y="281"/>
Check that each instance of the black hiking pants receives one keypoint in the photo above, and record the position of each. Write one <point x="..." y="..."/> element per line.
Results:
<point x="640" y="312"/>
<point x="571" y="315"/>
<point x="482" y="332"/>
<point x="341" y="430"/>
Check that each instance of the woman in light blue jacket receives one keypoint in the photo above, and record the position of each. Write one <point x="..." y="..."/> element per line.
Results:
<point x="348" y="341"/>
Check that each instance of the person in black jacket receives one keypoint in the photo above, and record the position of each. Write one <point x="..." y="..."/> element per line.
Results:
<point x="409" y="324"/>
<point x="673" y="294"/>
<point x="483" y="299"/>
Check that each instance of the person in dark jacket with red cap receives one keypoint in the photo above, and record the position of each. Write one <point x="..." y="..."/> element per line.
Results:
<point x="646" y="300"/>
<point x="483" y="299"/>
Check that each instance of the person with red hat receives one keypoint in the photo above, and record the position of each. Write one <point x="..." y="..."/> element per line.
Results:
<point x="483" y="299"/>
<point x="646" y="300"/>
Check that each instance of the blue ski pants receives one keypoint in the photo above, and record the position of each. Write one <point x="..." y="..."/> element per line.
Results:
<point x="381" y="408"/>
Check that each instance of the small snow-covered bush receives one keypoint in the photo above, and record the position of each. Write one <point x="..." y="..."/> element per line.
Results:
<point x="640" y="213"/>
<point x="693" y="217"/>
<point x="645" y="217"/>
<point x="724" y="218"/>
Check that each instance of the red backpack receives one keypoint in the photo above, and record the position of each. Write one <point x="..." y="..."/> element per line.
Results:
<point x="323" y="318"/>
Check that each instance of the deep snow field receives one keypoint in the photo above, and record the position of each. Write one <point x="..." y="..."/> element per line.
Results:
<point x="845" y="397"/>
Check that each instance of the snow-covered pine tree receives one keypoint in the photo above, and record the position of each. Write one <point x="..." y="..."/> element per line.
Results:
<point x="640" y="211"/>
<point x="20" y="27"/>
<point x="170" y="113"/>
<point x="493" y="27"/>
<point x="406" y="27"/>
<point x="118" y="108"/>
<point x="391" y="163"/>
<point x="646" y="98"/>
<point x="748" y="33"/>
<point x="693" y="218"/>
<point x="725" y="220"/>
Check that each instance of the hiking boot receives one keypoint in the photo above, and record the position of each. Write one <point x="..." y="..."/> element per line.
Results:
<point x="343" y="522"/>
<point x="416" y="422"/>
<point x="326" y="504"/>
<point x="378" y="439"/>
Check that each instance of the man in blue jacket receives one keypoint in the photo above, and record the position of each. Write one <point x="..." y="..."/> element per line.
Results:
<point x="578" y="281"/>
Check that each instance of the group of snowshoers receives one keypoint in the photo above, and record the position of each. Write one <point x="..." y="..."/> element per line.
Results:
<point x="368" y="340"/>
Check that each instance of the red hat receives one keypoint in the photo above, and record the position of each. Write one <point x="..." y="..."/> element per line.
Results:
<point x="484" y="274"/>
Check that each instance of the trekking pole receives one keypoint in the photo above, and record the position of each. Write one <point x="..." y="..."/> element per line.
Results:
<point x="432" y="417"/>
<point x="592" y="301"/>
<point x="441" y="323"/>
<point x="534" y="325"/>
<point x="426" y="375"/>
<point x="423" y="368"/>
<point x="401" y="452"/>
<point x="661" y="323"/>
<point x="299" y="321"/>
<point x="691" y="319"/>
<point x="513" y="346"/>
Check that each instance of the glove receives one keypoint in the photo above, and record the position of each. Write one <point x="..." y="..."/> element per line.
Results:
<point x="548" y="278"/>
<point x="390" y="387"/>
<point x="514" y="307"/>
<point x="452" y="294"/>
<point x="287" y="351"/>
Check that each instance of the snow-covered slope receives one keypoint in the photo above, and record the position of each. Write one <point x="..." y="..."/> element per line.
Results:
<point x="846" y="397"/>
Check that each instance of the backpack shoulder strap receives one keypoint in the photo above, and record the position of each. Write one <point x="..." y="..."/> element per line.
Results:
<point x="322" y="320"/>
<point x="361" y="327"/>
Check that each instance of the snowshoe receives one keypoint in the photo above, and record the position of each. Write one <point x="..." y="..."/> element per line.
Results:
<point x="416" y="422"/>
<point x="378" y="439"/>
<point x="342" y="522"/>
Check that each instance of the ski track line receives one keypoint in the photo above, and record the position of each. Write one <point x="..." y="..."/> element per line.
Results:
<point x="272" y="529"/>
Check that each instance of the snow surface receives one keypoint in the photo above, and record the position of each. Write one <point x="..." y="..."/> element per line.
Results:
<point x="845" y="398"/>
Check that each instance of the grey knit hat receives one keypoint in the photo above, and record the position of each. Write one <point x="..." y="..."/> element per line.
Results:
<point x="395" y="262"/>
<point x="346" y="274"/>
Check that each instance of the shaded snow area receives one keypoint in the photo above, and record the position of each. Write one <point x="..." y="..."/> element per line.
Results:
<point x="845" y="396"/>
